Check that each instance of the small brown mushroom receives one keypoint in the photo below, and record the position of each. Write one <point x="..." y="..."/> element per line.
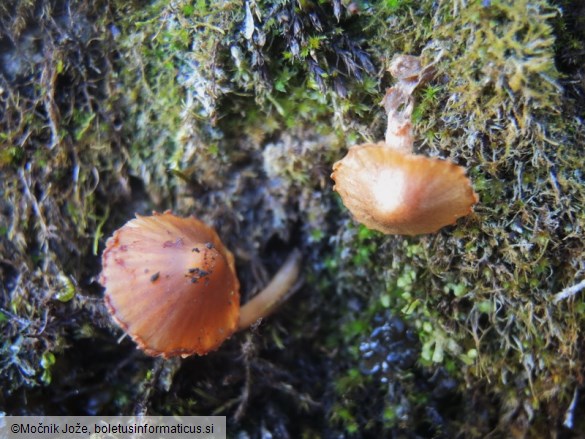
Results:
<point x="389" y="188"/>
<point x="395" y="192"/>
<point x="172" y="286"/>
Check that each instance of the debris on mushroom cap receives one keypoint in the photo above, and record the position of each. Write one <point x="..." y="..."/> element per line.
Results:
<point x="171" y="285"/>
<point x="399" y="193"/>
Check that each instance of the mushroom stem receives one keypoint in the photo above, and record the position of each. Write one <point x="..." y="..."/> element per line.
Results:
<point x="399" y="106"/>
<point x="267" y="300"/>
<point x="398" y="101"/>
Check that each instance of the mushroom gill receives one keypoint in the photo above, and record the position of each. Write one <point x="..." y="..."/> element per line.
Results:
<point x="399" y="193"/>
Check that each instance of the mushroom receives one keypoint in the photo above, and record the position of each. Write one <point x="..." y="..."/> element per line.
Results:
<point x="172" y="286"/>
<point x="395" y="192"/>
<point x="389" y="188"/>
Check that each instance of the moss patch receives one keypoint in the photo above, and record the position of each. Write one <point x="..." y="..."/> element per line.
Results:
<point x="235" y="113"/>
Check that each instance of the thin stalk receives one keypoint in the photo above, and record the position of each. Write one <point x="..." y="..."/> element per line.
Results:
<point x="267" y="300"/>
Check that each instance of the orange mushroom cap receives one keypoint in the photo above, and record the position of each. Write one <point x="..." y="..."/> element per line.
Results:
<point x="171" y="285"/>
<point x="399" y="193"/>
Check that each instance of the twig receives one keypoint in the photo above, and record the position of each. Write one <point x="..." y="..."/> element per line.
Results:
<point x="569" y="291"/>
<point x="570" y="414"/>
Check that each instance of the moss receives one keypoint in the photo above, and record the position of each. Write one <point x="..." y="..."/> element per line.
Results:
<point x="480" y="295"/>
<point x="236" y="113"/>
<point x="53" y="159"/>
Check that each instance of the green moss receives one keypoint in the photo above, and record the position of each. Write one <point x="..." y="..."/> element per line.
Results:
<point x="47" y="362"/>
<point x="479" y="294"/>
